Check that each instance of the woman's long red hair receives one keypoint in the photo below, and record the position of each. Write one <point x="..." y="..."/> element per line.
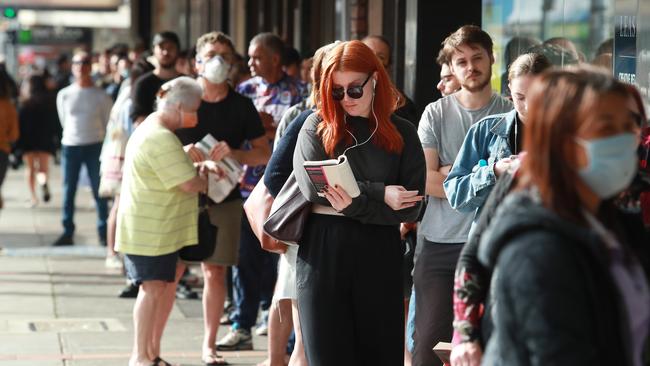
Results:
<point x="356" y="56"/>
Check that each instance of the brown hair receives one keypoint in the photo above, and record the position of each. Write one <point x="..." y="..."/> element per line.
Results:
<point x="466" y="35"/>
<point x="317" y="69"/>
<point x="441" y="59"/>
<point x="634" y="93"/>
<point x="213" y="37"/>
<point x="528" y="64"/>
<point x="559" y="102"/>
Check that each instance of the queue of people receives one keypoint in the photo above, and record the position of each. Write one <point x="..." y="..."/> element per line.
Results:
<point x="531" y="210"/>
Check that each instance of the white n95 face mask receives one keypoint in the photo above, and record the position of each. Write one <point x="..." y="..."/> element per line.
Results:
<point x="216" y="70"/>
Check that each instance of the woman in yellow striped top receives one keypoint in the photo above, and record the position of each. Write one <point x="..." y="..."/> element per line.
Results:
<point x="158" y="212"/>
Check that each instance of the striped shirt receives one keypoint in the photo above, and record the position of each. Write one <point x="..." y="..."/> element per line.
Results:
<point x="155" y="216"/>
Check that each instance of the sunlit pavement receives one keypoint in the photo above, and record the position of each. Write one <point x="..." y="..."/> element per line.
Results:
<point x="59" y="306"/>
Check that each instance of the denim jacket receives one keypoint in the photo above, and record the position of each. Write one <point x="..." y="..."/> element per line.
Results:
<point x="468" y="184"/>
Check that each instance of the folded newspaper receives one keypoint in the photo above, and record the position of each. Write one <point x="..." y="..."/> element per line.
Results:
<point x="220" y="187"/>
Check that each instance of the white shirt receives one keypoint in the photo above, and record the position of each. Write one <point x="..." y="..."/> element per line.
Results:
<point x="83" y="113"/>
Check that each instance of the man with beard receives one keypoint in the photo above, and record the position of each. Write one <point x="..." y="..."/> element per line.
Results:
<point x="165" y="50"/>
<point x="442" y="130"/>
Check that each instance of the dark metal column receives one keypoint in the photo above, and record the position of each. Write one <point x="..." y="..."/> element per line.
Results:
<point x="427" y="24"/>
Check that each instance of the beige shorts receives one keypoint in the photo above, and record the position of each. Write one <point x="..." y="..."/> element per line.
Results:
<point x="226" y="216"/>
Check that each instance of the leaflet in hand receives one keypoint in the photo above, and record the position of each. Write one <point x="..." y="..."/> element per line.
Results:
<point x="220" y="187"/>
<point x="330" y="173"/>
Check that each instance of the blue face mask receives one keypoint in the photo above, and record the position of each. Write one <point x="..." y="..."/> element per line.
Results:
<point x="612" y="163"/>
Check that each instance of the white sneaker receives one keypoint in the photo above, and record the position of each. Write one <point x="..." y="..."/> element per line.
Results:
<point x="114" y="262"/>
<point x="262" y="330"/>
<point x="236" y="340"/>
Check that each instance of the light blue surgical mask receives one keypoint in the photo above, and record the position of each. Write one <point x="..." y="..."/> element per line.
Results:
<point x="612" y="163"/>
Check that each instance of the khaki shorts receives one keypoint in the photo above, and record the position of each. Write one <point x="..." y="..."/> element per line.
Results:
<point x="226" y="216"/>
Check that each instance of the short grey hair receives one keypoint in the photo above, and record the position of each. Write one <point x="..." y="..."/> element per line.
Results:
<point x="271" y="43"/>
<point x="183" y="90"/>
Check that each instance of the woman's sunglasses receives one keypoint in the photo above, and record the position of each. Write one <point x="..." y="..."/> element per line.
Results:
<point x="355" y="92"/>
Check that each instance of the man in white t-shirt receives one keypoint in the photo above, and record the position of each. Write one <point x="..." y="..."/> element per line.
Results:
<point x="83" y="111"/>
<point x="442" y="130"/>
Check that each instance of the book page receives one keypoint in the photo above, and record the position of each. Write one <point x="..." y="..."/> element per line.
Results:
<point x="332" y="172"/>
<point x="342" y="176"/>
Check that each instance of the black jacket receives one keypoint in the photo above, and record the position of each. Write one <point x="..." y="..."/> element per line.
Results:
<point x="552" y="298"/>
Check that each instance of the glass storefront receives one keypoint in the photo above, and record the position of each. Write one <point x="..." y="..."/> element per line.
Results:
<point x="568" y="31"/>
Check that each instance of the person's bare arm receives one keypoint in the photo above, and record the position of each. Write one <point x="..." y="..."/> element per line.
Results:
<point x="434" y="175"/>
<point x="198" y="184"/>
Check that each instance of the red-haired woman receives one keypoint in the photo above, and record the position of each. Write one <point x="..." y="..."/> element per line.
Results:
<point x="350" y="258"/>
<point x="568" y="287"/>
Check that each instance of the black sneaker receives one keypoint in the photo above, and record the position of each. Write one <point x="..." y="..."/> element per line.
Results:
<point x="129" y="292"/>
<point x="183" y="291"/>
<point x="102" y="242"/>
<point x="46" y="192"/>
<point x="63" y="240"/>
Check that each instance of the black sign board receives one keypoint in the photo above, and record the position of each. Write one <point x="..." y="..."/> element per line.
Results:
<point x="625" y="31"/>
<point x="54" y="36"/>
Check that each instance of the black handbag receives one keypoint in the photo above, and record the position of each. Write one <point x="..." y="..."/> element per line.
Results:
<point x="288" y="214"/>
<point x="207" y="236"/>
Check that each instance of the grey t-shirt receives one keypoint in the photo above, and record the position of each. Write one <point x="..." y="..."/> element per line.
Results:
<point x="84" y="113"/>
<point x="443" y="127"/>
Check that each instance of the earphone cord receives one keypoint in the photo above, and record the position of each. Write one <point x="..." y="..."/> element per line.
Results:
<point x="356" y="143"/>
<point x="516" y="135"/>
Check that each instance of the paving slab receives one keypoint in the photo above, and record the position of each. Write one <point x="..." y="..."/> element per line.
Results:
<point x="59" y="306"/>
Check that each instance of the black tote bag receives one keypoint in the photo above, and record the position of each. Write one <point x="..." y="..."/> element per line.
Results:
<point x="207" y="236"/>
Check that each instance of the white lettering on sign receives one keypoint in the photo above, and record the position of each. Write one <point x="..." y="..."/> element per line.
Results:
<point x="627" y="77"/>
<point x="627" y="26"/>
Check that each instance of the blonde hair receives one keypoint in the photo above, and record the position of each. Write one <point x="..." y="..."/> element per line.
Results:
<point x="528" y="64"/>
<point x="212" y="38"/>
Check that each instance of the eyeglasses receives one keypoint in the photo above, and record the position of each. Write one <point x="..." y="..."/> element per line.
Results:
<point x="355" y="92"/>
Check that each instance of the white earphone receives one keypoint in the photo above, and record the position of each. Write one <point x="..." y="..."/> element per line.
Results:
<point x="374" y="85"/>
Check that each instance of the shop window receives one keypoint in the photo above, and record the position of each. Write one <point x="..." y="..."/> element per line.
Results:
<point x="567" y="31"/>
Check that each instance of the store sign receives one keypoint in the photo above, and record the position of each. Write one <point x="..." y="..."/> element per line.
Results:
<point x="64" y="4"/>
<point x="625" y="48"/>
<point x="53" y="36"/>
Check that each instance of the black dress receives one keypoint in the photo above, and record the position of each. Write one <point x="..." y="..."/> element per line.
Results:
<point x="39" y="126"/>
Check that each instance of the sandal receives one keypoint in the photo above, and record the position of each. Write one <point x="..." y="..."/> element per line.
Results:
<point x="160" y="362"/>
<point x="214" y="360"/>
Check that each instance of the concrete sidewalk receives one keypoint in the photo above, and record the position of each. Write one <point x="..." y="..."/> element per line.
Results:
<point x="58" y="306"/>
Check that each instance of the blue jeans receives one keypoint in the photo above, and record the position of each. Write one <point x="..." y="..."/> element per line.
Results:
<point x="253" y="278"/>
<point x="410" y="322"/>
<point x="72" y="157"/>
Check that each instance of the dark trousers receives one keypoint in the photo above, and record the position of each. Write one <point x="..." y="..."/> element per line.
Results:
<point x="4" y="165"/>
<point x="349" y="279"/>
<point x="433" y="279"/>
<point x="72" y="159"/>
<point x="253" y="278"/>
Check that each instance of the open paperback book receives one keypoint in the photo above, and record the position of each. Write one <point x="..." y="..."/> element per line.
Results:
<point x="330" y="173"/>
<point x="220" y="187"/>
